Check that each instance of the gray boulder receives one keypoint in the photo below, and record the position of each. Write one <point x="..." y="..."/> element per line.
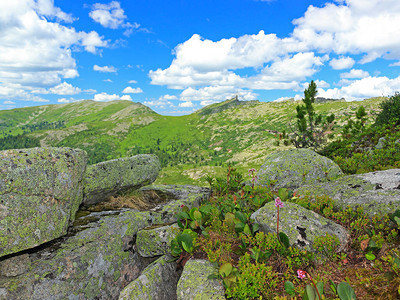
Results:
<point x="377" y="192"/>
<point x="296" y="167"/>
<point x="157" y="282"/>
<point x="40" y="192"/>
<point x="155" y="241"/>
<point x="112" y="177"/>
<point x="301" y="225"/>
<point x="194" y="282"/>
<point x="94" y="263"/>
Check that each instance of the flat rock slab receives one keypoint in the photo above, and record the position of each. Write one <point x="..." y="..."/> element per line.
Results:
<point x="157" y="282"/>
<point x="40" y="192"/>
<point x="156" y="241"/>
<point x="377" y="192"/>
<point x="112" y="177"/>
<point x="296" y="167"/>
<point x="194" y="282"/>
<point x="301" y="225"/>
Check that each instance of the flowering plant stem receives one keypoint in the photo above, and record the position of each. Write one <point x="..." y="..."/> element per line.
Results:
<point x="309" y="276"/>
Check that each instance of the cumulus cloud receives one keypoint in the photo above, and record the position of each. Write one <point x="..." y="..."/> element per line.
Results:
<point x="65" y="89"/>
<point x="130" y="90"/>
<point x="186" y="104"/>
<point x="36" y="49"/>
<point x="342" y="63"/>
<point x="103" y="97"/>
<point x="355" y="73"/>
<point x="341" y="29"/>
<point x="112" y="16"/>
<point x="132" y="81"/>
<point x="364" y="88"/>
<point x="213" y="94"/>
<point x="8" y="102"/>
<point x="168" y="97"/>
<point x="105" y="69"/>
<point x="160" y="103"/>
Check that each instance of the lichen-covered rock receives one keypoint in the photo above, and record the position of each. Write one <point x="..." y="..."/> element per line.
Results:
<point x="377" y="192"/>
<point x="111" y="177"/>
<point x="15" y="266"/>
<point x="94" y="263"/>
<point x="195" y="285"/>
<point x="40" y="192"/>
<point x="301" y="225"/>
<point x="188" y="195"/>
<point x="155" y="241"/>
<point x="157" y="282"/>
<point x="296" y="167"/>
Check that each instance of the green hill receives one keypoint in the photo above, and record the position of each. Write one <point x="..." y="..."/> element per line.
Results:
<point x="234" y="132"/>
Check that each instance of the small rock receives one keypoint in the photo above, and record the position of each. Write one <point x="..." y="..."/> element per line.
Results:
<point x="381" y="143"/>
<point x="156" y="241"/>
<point x="194" y="282"/>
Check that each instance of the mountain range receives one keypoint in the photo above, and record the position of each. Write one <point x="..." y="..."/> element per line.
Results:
<point x="233" y="132"/>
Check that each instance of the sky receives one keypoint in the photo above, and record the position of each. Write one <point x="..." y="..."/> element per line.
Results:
<point x="178" y="56"/>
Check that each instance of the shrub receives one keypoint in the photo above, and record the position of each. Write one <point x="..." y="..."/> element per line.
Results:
<point x="390" y="111"/>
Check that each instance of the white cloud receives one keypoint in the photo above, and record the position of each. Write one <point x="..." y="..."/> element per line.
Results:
<point x="213" y="94"/>
<point x="107" y="97"/>
<point x="168" y="97"/>
<point x="107" y="80"/>
<point x="364" y="88"/>
<point x="355" y="73"/>
<point x="63" y="100"/>
<point x="36" y="49"/>
<point x="132" y="81"/>
<point x="112" y="16"/>
<point x="186" y="104"/>
<point x="105" y="69"/>
<point x="130" y="90"/>
<point x="65" y="89"/>
<point x="8" y="102"/>
<point x="342" y="63"/>
<point x="160" y="103"/>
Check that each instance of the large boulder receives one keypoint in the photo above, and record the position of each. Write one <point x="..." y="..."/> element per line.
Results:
<point x="195" y="284"/>
<point x="296" y="167"/>
<point x="301" y="225"/>
<point x="112" y="177"/>
<point x="157" y="282"/>
<point x="94" y="263"/>
<point x="377" y="192"/>
<point x="40" y="192"/>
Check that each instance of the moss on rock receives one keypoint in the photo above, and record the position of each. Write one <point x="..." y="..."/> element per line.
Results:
<point x="194" y="283"/>
<point x="296" y="167"/>
<point x="376" y="192"/>
<point x="40" y="192"/>
<point x="156" y="241"/>
<point x="112" y="177"/>
<point x="301" y="225"/>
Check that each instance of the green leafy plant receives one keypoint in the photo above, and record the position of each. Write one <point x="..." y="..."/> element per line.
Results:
<point x="184" y="241"/>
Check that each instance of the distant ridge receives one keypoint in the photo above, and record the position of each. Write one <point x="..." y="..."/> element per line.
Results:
<point x="221" y="106"/>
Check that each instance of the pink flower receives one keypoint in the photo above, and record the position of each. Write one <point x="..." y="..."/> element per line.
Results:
<point x="254" y="179"/>
<point x="182" y="205"/>
<point x="252" y="170"/>
<point x="301" y="274"/>
<point x="278" y="202"/>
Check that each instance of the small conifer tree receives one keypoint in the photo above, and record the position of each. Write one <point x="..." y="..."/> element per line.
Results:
<point x="310" y="128"/>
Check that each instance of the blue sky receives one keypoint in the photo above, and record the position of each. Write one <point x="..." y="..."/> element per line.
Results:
<point x="178" y="56"/>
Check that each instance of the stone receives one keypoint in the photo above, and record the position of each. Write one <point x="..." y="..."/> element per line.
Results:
<point x="157" y="282"/>
<point x="296" y="167"/>
<point x="301" y="225"/>
<point x="40" y="192"/>
<point x="156" y="241"/>
<point x="15" y="266"/>
<point x="195" y="284"/>
<point x="96" y="262"/>
<point x="377" y="192"/>
<point x="113" y="177"/>
<point x="381" y="143"/>
<point x="189" y="195"/>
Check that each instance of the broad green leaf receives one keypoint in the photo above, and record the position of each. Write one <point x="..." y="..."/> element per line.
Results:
<point x="225" y="270"/>
<point x="256" y="227"/>
<point x="370" y="256"/>
<point x="239" y="227"/>
<point x="332" y="286"/>
<point x="175" y="248"/>
<point x="345" y="291"/>
<point x="309" y="293"/>
<point x="284" y="239"/>
<point x="320" y="287"/>
<point x="283" y="194"/>
<point x="247" y="230"/>
<point x="241" y="216"/>
<point x="289" y="288"/>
